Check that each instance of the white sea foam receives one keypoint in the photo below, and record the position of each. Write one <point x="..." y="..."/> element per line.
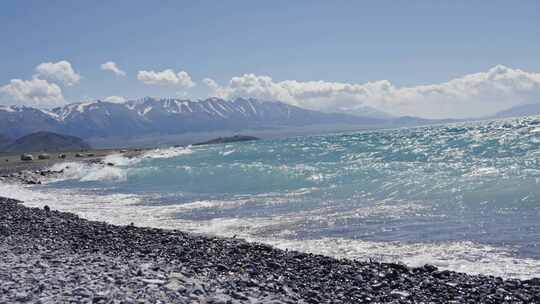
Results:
<point x="86" y="172"/>
<point x="121" y="160"/>
<point x="167" y="152"/>
<point x="228" y="152"/>
<point x="123" y="209"/>
<point x="105" y="173"/>
<point x="466" y="257"/>
<point x="210" y="204"/>
<point x="484" y="171"/>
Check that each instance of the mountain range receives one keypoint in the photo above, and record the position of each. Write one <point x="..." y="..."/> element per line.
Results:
<point x="165" y="116"/>
<point x="171" y="116"/>
<point x="522" y="110"/>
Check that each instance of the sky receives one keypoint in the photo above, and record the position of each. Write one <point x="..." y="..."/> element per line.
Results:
<point x="424" y="58"/>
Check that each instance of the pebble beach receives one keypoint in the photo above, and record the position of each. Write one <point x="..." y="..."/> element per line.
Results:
<point x="55" y="257"/>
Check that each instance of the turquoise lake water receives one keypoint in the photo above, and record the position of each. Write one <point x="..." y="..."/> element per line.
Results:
<point x="464" y="196"/>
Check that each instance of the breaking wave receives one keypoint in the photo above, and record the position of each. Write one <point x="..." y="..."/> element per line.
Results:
<point x="464" y="197"/>
<point x="123" y="209"/>
<point x="114" y="167"/>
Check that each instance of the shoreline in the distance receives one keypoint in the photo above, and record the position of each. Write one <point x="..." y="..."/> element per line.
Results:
<point x="11" y="163"/>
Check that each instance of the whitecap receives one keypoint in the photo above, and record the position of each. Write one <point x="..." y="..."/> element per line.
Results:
<point x="86" y="172"/>
<point x="227" y="152"/>
<point x="486" y="171"/>
<point x="123" y="209"/>
<point x="167" y="152"/>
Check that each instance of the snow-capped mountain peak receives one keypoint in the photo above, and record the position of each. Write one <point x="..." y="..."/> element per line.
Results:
<point x="166" y="116"/>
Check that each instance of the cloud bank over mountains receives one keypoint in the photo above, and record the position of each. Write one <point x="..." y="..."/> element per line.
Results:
<point x="471" y="95"/>
<point x="43" y="90"/>
<point x="166" y="78"/>
<point x="35" y="92"/>
<point x="115" y="99"/>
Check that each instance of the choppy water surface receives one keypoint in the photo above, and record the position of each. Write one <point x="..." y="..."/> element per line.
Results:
<point x="464" y="197"/>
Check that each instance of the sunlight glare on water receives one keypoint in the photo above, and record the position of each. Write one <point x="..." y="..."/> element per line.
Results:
<point x="463" y="196"/>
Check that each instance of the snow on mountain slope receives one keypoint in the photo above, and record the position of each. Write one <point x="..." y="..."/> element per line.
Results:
<point x="165" y="116"/>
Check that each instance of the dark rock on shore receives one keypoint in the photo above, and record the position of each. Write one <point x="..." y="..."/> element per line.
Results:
<point x="27" y="157"/>
<point x="29" y="177"/>
<point x="50" y="256"/>
<point x="225" y="140"/>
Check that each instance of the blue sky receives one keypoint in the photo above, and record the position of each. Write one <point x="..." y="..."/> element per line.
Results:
<point x="407" y="43"/>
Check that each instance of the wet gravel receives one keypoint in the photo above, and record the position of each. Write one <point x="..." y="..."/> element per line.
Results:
<point x="28" y="177"/>
<point x="48" y="256"/>
<point x="35" y="176"/>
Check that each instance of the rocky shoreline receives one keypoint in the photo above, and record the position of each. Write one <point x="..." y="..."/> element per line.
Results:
<point x="29" y="177"/>
<point x="51" y="257"/>
<point x="35" y="175"/>
<point x="11" y="164"/>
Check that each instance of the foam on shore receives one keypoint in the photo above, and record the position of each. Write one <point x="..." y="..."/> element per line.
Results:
<point x="123" y="209"/>
<point x="113" y="167"/>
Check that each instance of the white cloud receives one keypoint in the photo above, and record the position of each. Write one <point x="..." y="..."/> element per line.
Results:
<point x="111" y="66"/>
<point x="58" y="72"/>
<point x="470" y="95"/>
<point x="35" y="93"/>
<point x="211" y="84"/>
<point x="115" y="99"/>
<point x="166" y="77"/>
